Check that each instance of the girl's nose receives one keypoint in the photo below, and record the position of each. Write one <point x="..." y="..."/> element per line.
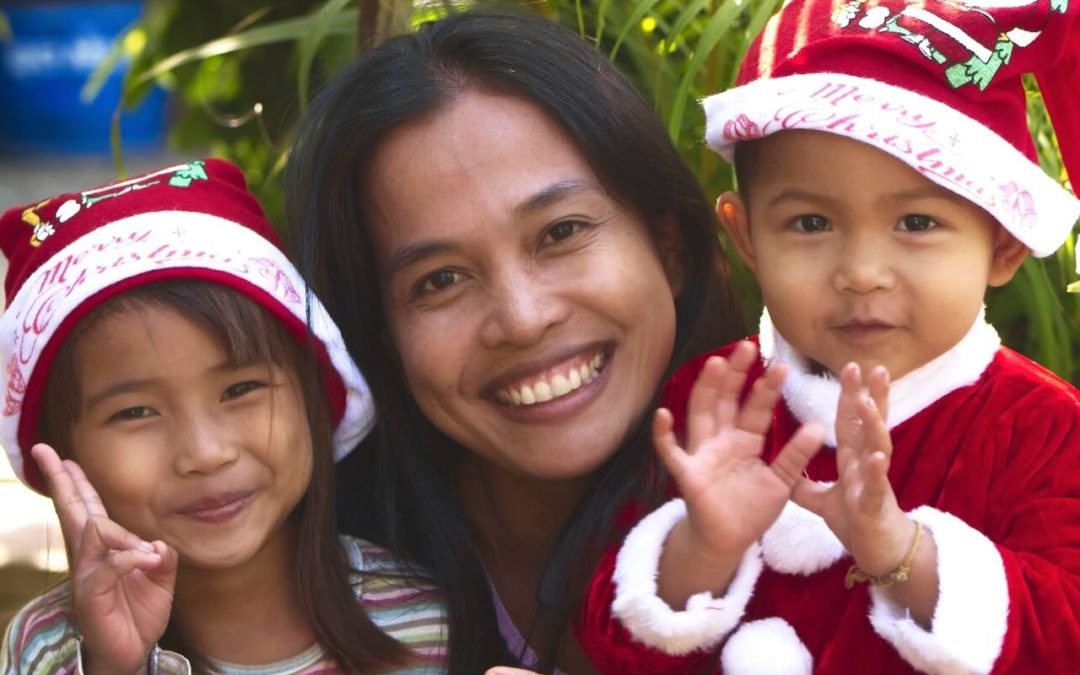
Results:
<point x="202" y="448"/>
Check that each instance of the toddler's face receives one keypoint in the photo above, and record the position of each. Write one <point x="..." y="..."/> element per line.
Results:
<point x="861" y="258"/>
<point x="183" y="447"/>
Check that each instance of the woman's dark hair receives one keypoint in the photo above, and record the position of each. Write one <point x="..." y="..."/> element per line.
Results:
<point x="399" y="488"/>
<point x="249" y="335"/>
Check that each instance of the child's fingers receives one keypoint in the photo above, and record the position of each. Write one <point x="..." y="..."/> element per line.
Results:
<point x="70" y="509"/>
<point x="667" y="446"/>
<point x="86" y="491"/>
<point x="878" y="385"/>
<point x="757" y="413"/>
<point x="739" y="362"/>
<point x="875" y="430"/>
<point x="811" y="495"/>
<point x="791" y="462"/>
<point x="876" y="488"/>
<point x="102" y="538"/>
<point x="701" y="406"/>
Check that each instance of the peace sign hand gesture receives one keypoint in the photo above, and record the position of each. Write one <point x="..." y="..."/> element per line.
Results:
<point x="122" y="585"/>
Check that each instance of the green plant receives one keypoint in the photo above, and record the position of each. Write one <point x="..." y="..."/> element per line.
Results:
<point x="244" y="70"/>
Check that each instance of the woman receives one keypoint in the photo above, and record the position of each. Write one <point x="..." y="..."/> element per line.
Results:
<point x="518" y="258"/>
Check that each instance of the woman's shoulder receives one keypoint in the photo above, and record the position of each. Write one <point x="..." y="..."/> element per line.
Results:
<point x="399" y="598"/>
<point x="43" y="636"/>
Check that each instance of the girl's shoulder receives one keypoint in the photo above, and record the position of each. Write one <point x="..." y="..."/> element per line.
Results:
<point x="43" y="637"/>
<point x="399" y="598"/>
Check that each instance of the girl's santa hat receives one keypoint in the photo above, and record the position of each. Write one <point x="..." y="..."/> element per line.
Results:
<point x="69" y="254"/>
<point x="936" y="84"/>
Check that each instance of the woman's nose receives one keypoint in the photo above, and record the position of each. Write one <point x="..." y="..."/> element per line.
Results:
<point x="521" y="309"/>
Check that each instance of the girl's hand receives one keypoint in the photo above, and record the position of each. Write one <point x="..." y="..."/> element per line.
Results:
<point x="122" y="585"/>
<point x="732" y="496"/>
<point x="861" y="508"/>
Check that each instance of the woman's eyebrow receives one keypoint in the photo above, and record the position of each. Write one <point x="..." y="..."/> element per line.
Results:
<point x="409" y="255"/>
<point x="551" y="194"/>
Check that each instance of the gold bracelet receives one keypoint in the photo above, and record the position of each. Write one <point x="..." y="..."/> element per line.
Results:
<point x="901" y="573"/>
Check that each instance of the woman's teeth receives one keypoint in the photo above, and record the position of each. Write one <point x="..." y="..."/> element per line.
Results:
<point x="559" y="384"/>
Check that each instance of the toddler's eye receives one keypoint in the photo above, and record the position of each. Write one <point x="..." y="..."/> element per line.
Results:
<point x="240" y="388"/>
<point x="811" y="223"/>
<point x="437" y="281"/>
<point x="914" y="222"/>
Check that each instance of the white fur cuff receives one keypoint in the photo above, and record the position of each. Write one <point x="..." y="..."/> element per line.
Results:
<point x="705" y="621"/>
<point x="970" y="619"/>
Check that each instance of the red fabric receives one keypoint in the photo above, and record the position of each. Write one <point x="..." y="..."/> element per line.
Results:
<point x="970" y="56"/>
<point x="1003" y="455"/>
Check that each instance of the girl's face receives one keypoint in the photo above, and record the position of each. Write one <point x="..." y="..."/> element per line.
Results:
<point x="183" y="447"/>
<point x="532" y="312"/>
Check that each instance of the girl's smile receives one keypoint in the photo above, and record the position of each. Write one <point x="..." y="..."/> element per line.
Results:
<point x="183" y="444"/>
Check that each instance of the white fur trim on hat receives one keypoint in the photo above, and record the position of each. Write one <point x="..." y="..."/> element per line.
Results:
<point x="813" y="397"/>
<point x="941" y="143"/>
<point x="766" y="647"/>
<point x="970" y="620"/>
<point x="800" y="542"/>
<point x="705" y="621"/>
<point x="144" y="244"/>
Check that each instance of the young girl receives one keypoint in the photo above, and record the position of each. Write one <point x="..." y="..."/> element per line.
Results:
<point x="159" y="341"/>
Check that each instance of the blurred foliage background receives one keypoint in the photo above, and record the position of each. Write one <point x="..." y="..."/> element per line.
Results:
<point x="242" y="72"/>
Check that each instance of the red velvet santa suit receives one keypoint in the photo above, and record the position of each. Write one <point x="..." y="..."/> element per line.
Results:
<point x="986" y="455"/>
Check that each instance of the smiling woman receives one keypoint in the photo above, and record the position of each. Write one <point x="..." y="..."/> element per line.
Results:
<point x="517" y="257"/>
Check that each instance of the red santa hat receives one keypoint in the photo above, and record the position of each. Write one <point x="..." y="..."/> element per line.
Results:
<point x="69" y="254"/>
<point x="935" y="84"/>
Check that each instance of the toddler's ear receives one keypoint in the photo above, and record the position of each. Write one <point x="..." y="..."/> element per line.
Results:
<point x="1009" y="253"/>
<point x="731" y="210"/>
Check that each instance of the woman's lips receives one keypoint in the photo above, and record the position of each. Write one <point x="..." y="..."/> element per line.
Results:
<point x="553" y="383"/>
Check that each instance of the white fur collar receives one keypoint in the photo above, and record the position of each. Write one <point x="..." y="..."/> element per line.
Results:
<point x="814" y="397"/>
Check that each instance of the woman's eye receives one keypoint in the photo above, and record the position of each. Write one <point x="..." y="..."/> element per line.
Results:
<point x="437" y="281"/>
<point x="916" y="223"/>
<point x="811" y="223"/>
<point x="563" y="230"/>
<point x="240" y="388"/>
<point x="132" y="413"/>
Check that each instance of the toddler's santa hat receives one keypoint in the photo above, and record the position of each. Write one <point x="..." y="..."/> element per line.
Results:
<point x="935" y="84"/>
<point x="69" y="254"/>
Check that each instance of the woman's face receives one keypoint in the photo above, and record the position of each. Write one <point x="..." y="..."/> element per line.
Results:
<point x="532" y="312"/>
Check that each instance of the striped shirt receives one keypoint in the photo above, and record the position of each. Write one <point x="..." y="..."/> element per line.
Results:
<point x="43" y="638"/>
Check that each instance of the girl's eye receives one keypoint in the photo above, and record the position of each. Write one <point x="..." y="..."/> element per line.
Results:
<point x="811" y="223"/>
<point x="563" y="230"/>
<point x="132" y="413"/>
<point x="437" y="281"/>
<point x="914" y="222"/>
<point x="240" y="388"/>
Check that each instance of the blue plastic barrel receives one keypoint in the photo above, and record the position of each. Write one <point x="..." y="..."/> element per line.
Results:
<point x="54" y="49"/>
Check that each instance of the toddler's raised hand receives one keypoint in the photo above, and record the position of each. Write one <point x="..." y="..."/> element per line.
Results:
<point x="731" y="494"/>
<point x="861" y="508"/>
<point x="122" y="585"/>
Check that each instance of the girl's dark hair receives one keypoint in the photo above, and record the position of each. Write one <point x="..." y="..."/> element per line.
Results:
<point x="399" y="486"/>
<point x="249" y="334"/>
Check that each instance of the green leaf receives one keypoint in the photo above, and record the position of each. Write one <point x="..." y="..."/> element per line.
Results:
<point x="714" y="31"/>
<point x="324" y="21"/>
<point x="640" y="10"/>
<point x="286" y="30"/>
